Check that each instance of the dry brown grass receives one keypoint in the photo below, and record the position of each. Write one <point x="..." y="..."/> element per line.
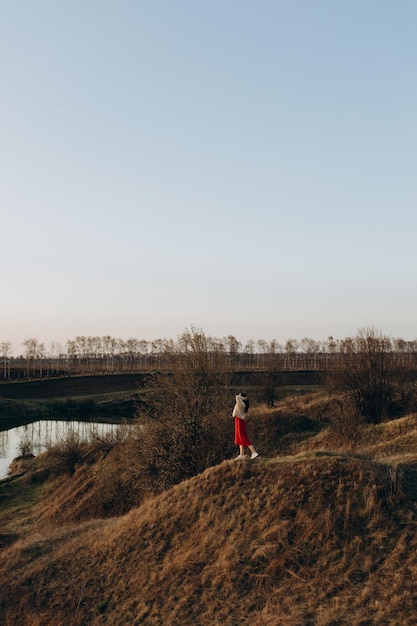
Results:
<point x="310" y="535"/>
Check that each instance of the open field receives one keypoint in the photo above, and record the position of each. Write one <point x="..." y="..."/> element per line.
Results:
<point x="108" y="396"/>
<point x="82" y="386"/>
<point x="71" y="387"/>
<point x="314" y="532"/>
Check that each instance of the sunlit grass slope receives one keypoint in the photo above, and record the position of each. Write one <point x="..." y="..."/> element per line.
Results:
<point x="319" y="537"/>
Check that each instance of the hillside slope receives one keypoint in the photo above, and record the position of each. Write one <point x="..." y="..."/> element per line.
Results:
<point x="315" y="538"/>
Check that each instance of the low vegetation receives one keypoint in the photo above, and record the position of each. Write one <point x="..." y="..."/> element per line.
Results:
<point x="159" y="524"/>
<point x="313" y="532"/>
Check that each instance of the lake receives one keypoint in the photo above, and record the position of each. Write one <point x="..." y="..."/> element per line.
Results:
<point x="38" y="436"/>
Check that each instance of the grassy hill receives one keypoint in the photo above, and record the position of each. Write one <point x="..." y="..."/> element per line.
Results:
<point x="311" y="533"/>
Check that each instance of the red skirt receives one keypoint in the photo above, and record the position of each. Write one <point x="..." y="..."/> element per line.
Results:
<point x="241" y="438"/>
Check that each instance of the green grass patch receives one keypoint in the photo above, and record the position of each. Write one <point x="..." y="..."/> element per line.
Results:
<point x="17" y="498"/>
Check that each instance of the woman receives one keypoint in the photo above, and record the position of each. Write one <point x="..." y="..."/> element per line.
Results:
<point x="241" y="438"/>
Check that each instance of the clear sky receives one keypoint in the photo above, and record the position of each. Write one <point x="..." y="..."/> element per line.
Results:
<point x="244" y="166"/>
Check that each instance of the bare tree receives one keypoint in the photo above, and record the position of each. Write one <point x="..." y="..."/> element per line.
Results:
<point x="6" y="350"/>
<point x="369" y="374"/>
<point x="33" y="350"/>
<point x="274" y="364"/>
<point x="310" y="349"/>
<point x="71" y="355"/>
<point x="262" y="350"/>
<point x="40" y="356"/>
<point x="233" y="347"/>
<point x="250" y="353"/>
<point x="291" y="347"/>
<point x="184" y="411"/>
<point x="159" y="349"/>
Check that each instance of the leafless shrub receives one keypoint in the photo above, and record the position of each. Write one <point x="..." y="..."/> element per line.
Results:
<point x="103" y="443"/>
<point x="64" y="456"/>
<point x="25" y="447"/>
<point x="346" y="421"/>
<point x="184" y="419"/>
<point x="370" y="375"/>
<point x="196" y="385"/>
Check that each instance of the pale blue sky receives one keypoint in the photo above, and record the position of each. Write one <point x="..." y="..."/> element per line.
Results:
<point x="247" y="167"/>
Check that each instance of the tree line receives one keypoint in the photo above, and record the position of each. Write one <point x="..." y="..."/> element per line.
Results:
<point x="110" y="355"/>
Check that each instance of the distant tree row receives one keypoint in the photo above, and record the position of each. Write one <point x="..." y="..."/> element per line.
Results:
<point x="106" y="354"/>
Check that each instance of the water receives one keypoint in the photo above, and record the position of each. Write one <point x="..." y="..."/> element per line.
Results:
<point x="38" y="436"/>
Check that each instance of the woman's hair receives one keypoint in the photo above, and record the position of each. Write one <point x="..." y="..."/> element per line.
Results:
<point x="245" y="401"/>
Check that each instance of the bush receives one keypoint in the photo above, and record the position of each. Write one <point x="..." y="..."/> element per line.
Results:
<point x="346" y="421"/>
<point x="64" y="456"/>
<point x="371" y="377"/>
<point x="184" y="420"/>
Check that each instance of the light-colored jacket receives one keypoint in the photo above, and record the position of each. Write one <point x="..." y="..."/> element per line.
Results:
<point x="240" y="408"/>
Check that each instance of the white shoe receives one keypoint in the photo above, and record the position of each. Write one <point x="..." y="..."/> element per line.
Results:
<point x="240" y="457"/>
<point x="254" y="455"/>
